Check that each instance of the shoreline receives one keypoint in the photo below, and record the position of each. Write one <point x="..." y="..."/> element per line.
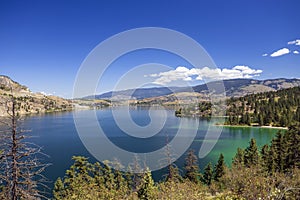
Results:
<point x="246" y="126"/>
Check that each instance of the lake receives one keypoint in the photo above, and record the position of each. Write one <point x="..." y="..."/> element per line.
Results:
<point x="56" y="134"/>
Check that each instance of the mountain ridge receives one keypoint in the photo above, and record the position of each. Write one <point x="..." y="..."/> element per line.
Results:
<point x="33" y="103"/>
<point x="233" y="88"/>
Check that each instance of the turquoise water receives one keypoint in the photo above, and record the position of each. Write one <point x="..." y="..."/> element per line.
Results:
<point x="57" y="135"/>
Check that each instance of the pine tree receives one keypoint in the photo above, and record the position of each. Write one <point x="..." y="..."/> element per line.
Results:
<point x="173" y="171"/>
<point x="192" y="167"/>
<point x="147" y="187"/>
<point x="292" y="146"/>
<point x="238" y="159"/>
<point x="271" y="160"/>
<point x="260" y="120"/>
<point x="251" y="156"/>
<point x="208" y="174"/>
<point x="97" y="173"/>
<point x="279" y="147"/>
<point x="108" y="175"/>
<point x="59" y="190"/>
<point x="265" y="157"/>
<point x="219" y="170"/>
<point x="129" y="178"/>
<point x="120" y="181"/>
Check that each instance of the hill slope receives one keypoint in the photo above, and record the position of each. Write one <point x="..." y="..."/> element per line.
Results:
<point x="232" y="87"/>
<point x="275" y="108"/>
<point x="27" y="101"/>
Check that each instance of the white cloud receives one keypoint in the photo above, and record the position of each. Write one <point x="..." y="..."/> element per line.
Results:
<point x="295" y="42"/>
<point x="46" y="94"/>
<point x="184" y="74"/>
<point x="280" y="52"/>
<point x="265" y="54"/>
<point x="296" y="52"/>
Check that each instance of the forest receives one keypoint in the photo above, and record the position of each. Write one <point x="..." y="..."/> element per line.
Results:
<point x="279" y="108"/>
<point x="270" y="172"/>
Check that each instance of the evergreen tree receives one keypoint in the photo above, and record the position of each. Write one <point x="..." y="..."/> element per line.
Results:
<point x="108" y="175"/>
<point x="219" y="170"/>
<point x="120" y="181"/>
<point x="192" y="167"/>
<point x="251" y="156"/>
<point x="173" y="173"/>
<point x="265" y="157"/>
<point x="279" y="155"/>
<point x="59" y="189"/>
<point x="137" y="174"/>
<point x="147" y="187"/>
<point x="238" y="159"/>
<point x="293" y="148"/>
<point x="97" y="173"/>
<point x="129" y="178"/>
<point x="208" y="174"/>
<point x="260" y="120"/>
<point x="271" y="160"/>
<point x="76" y="178"/>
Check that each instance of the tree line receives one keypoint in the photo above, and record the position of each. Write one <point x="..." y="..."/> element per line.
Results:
<point x="279" y="108"/>
<point x="270" y="172"/>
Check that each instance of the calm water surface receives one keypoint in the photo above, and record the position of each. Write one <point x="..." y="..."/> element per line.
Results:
<point x="57" y="135"/>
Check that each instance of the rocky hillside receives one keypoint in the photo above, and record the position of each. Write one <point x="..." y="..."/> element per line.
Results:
<point x="27" y="101"/>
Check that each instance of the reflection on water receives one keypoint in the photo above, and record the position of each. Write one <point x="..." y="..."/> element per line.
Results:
<point x="59" y="139"/>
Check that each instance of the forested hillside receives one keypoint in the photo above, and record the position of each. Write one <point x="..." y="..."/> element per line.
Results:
<point x="280" y="108"/>
<point x="277" y="108"/>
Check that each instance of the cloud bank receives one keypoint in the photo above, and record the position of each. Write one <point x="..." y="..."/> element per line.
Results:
<point x="295" y="42"/>
<point x="182" y="73"/>
<point x="280" y="52"/>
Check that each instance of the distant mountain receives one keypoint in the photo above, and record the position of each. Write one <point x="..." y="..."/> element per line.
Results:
<point x="27" y="101"/>
<point x="139" y="93"/>
<point x="232" y="87"/>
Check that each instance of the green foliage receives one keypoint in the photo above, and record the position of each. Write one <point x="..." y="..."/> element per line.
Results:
<point x="171" y="190"/>
<point x="265" y="157"/>
<point x="251" y="156"/>
<point x="238" y="159"/>
<point x="192" y="167"/>
<point x="280" y="108"/>
<point x="219" y="170"/>
<point x="173" y="174"/>
<point x="90" y="181"/>
<point x="292" y="141"/>
<point x="147" y="188"/>
<point x="208" y="174"/>
<point x="271" y="173"/>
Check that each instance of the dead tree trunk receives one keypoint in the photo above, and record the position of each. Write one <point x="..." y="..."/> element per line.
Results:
<point x="20" y="168"/>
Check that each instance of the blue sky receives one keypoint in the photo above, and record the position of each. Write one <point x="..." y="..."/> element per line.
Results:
<point x="43" y="43"/>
